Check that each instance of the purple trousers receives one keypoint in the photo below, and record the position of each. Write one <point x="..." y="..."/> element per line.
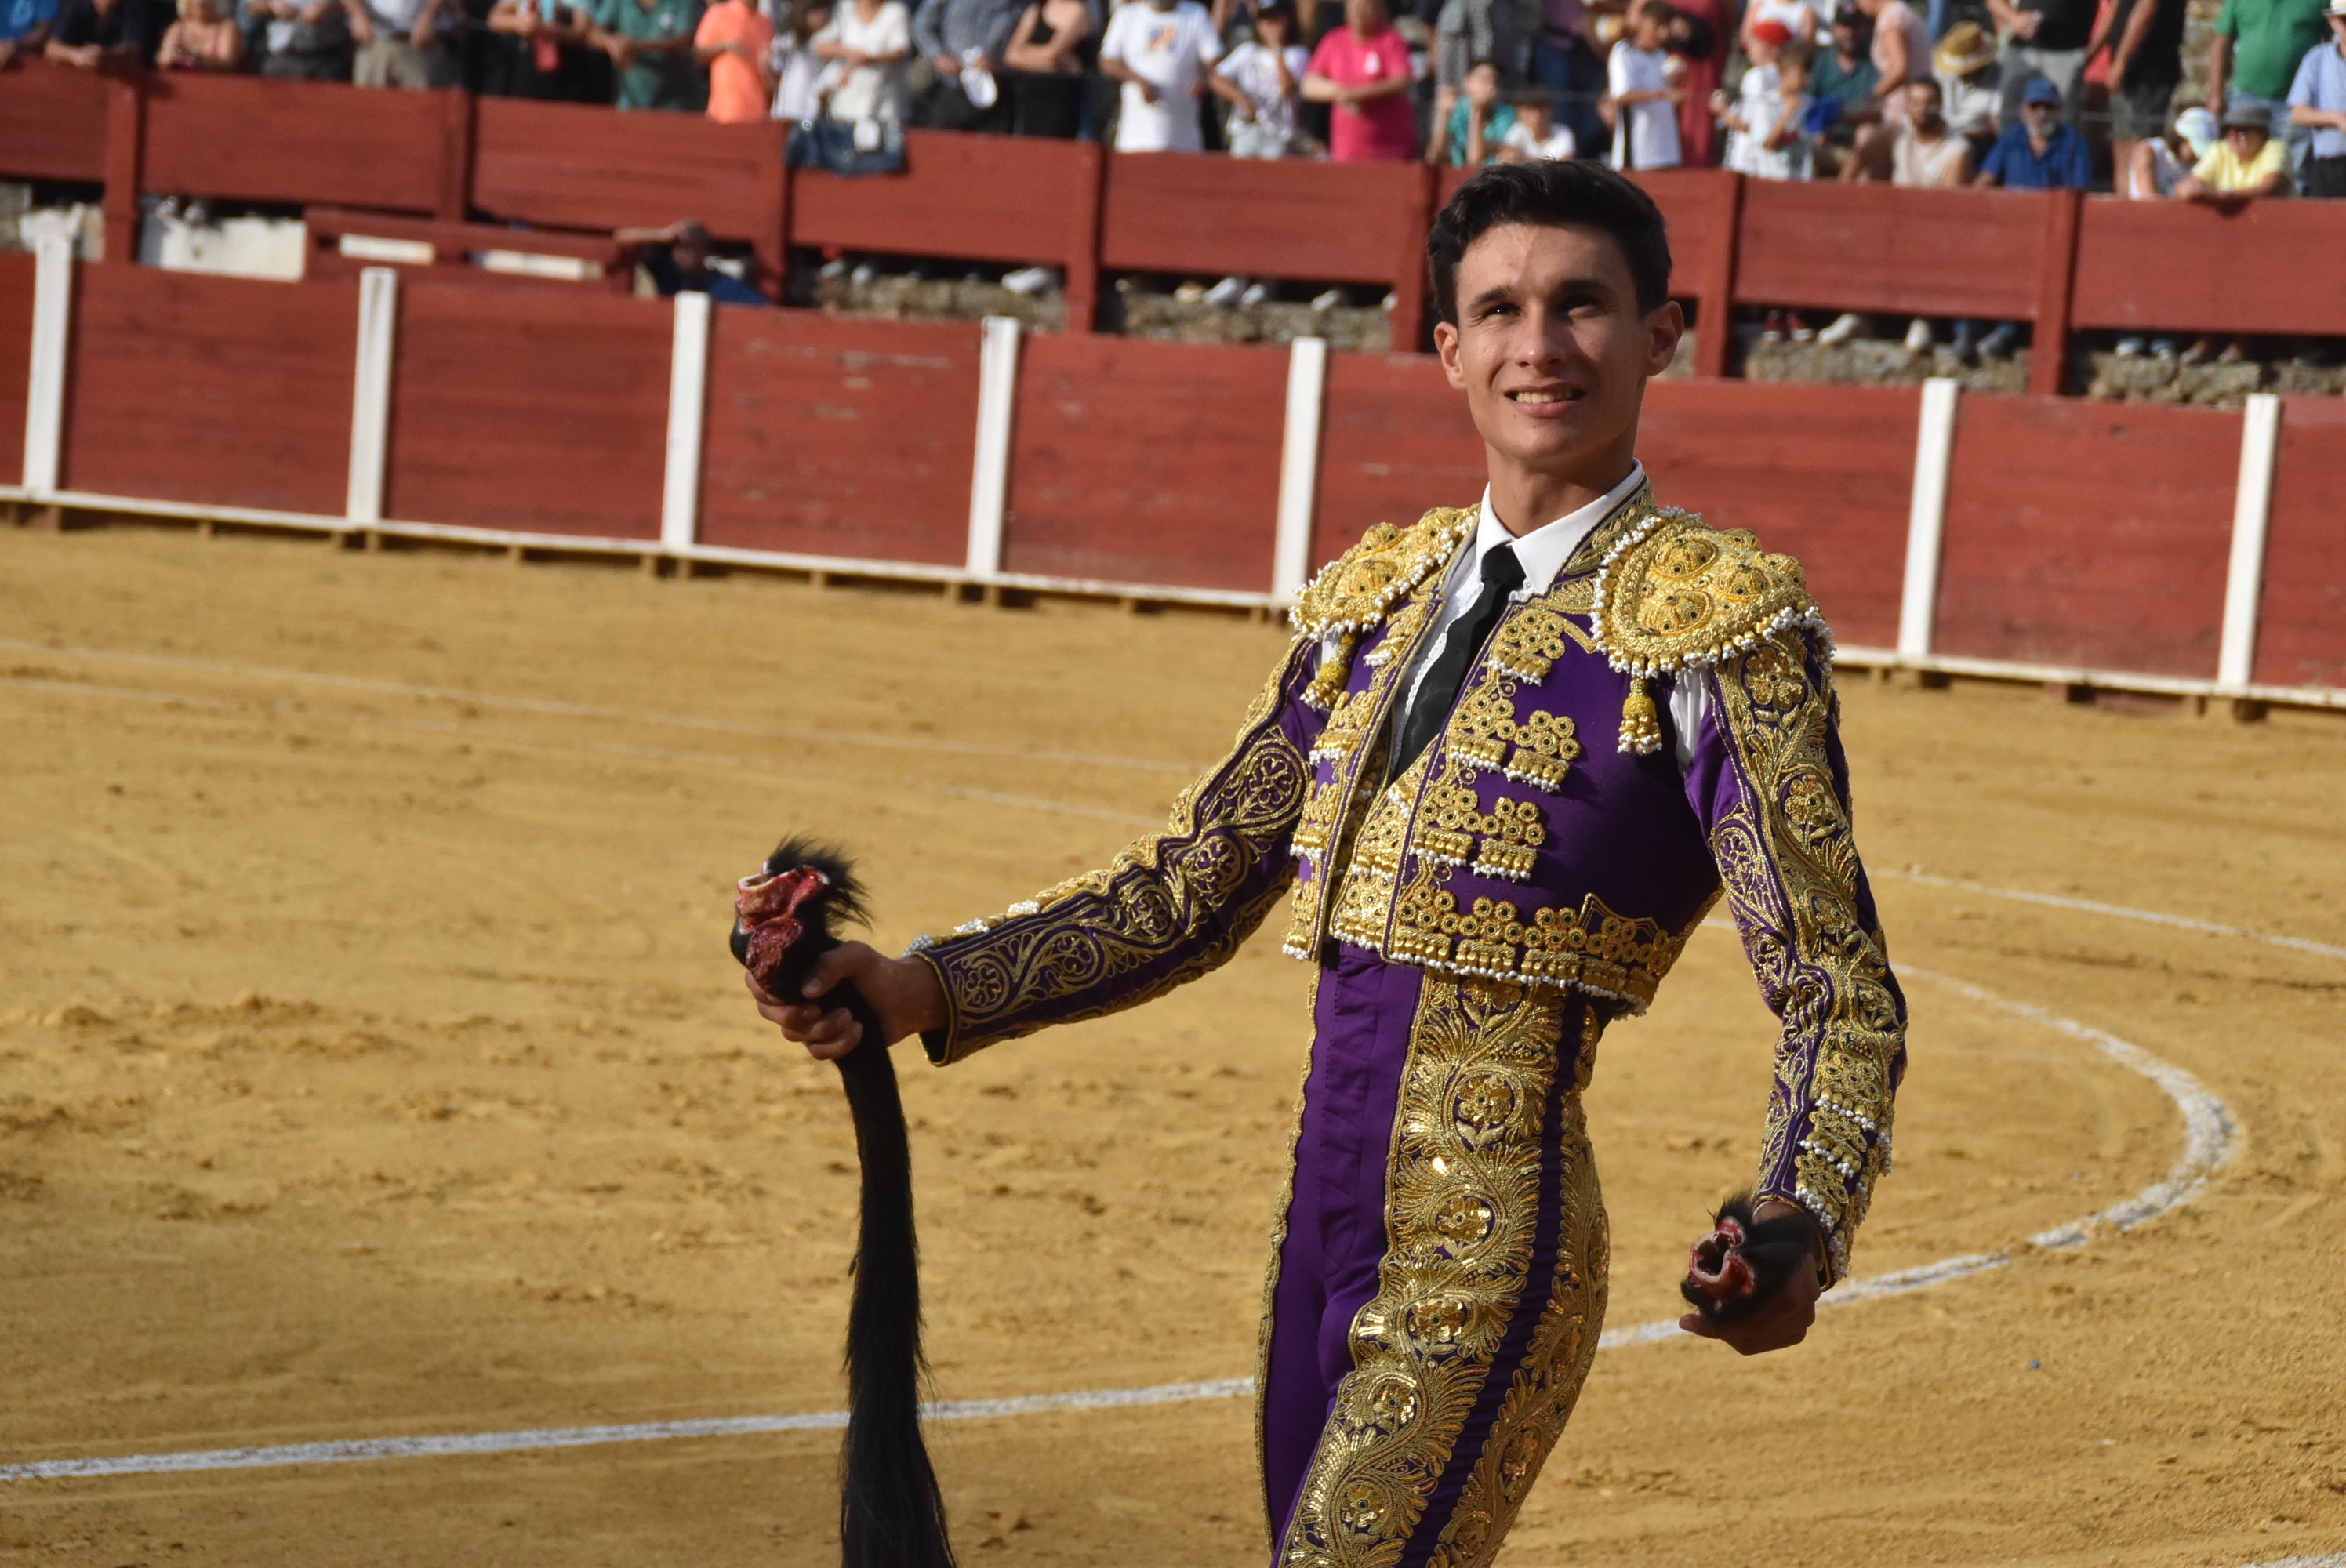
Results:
<point x="1439" y="1279"/>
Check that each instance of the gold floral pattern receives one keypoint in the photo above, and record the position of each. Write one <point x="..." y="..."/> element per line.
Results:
<point x="1176" y="903"/>
<point x="1788" y="857"/>
<point x="1461" y="1205"/>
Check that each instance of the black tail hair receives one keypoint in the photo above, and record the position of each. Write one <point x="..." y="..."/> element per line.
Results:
<point x="890" y="1511"/>
<point x="1773" y="1249"/>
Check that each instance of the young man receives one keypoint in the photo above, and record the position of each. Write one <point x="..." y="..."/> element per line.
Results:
<point x="1508" y="761"/>
<point x="1161" y="50"/>
<point x="1362" y="69"/>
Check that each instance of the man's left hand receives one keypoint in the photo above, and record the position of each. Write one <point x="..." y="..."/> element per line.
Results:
<point x="1775" y="1324"/>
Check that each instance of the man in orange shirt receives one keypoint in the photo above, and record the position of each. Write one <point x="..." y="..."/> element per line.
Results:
<point x="735" y="43"/>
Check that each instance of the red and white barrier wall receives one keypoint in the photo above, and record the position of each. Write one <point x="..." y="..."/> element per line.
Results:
<point x="2185" y="551"/>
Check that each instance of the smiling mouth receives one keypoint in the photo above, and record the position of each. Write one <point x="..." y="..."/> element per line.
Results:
<point x="1544" y="398"/>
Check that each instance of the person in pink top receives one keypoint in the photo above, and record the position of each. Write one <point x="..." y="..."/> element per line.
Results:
<point x="1362" y="69"/>
<point x="734" y="42"/>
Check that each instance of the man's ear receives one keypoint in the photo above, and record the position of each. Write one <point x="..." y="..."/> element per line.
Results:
<point x="1445" y="344"/>
<point x="1663" y="328"/>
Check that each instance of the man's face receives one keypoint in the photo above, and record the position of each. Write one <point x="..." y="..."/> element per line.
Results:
<point x="1550" y="348"/>
<point x="1922" y="103"/>
<point x="1364" y="15"/>
<point x="1845" y="39"/>
<point x="2338" y="30"/>
<point x="2039" y="118"/>
<point x="2246" y="142"/>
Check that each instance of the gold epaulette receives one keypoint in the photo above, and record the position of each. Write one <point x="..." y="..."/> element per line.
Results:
<point x="1357" y="590"/>
<point x="1675" y="594"/>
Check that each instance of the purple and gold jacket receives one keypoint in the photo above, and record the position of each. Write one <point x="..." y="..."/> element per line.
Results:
<point x="1548" y="837"/>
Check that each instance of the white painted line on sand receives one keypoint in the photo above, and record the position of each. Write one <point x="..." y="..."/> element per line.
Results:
<point x="2120" y="911"/>
<point x="2209" y="1140"/>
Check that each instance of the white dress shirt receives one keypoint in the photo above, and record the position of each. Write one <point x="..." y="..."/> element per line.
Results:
<point x="1542" y="554"/>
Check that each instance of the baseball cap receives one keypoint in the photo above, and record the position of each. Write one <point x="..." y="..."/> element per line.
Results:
<point x="2199" y="129"/>
<point x="2040" y="91"/>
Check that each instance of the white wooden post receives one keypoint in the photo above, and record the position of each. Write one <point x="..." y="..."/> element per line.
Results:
<point x="2244" y="580"/>
<point x="45" y="390"/>
<point x="1299" y="466"/>
<point x="371" y="392"/>
<point x="687" y="402"/>
<point x="989" y="477"/>
<point x="1926" y="517"/>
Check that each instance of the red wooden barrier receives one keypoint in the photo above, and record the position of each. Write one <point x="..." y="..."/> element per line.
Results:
<point x="226" y="390"/>
<point x="980" y="198"/>
<point x="52" y="123"/>
<point x="1140" y="461"/>
<point x="538" y="411"/>
<point x="453" y="246"/>
<point x="830" y="437"/>
<point x="1337" y="222"/>
<point x="16" y="327"/>
<point x="2301" y="634"/>
<point x="578" y="166"/>
<point x="1899" y="251"/>
<point x="249" y="138"/>
<point x="2272" y="268"/>
<point x="1394" y="440"/>
<point x="1823" y="472"/>
<point x="2093" y="534"/>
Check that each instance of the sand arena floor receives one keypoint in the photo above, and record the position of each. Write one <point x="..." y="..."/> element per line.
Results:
<point x="371" y="1063"/>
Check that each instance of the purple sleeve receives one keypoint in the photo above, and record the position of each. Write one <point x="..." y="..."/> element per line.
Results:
<point x="1768" y="781"/>
<point x="1171" y="906"/>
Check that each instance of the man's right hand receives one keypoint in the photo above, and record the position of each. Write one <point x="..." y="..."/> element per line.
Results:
<point x="946" y="64"/>
<point x="902" y="992"/>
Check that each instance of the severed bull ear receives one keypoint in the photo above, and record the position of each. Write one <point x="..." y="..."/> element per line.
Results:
<point x="1744" y="1260"/>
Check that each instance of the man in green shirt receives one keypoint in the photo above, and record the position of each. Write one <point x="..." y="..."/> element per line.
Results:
<point x="2253" y="57"/>
<point x="651" y="44"/>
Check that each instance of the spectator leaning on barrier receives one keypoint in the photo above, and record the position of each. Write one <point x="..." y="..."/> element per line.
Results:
<point x="1051" y="55"/>
<point x="2254" y="56"/>
<point x="2144" y="39"/>
<point x="736" y="45"/>
<point x="1161" y="50"/>
<point x="2250" y="164"/>
<point x="1536" y="135"/>
<point x="2044" y="39"/>
<point x="25" y="27"/>
<point x="965" y="39"/>
<point x="650" y="45"/>
<point x="1362" y="69"/>
<point x="2316" y="101"/>
<point x="298" y="40"/>
<point x="2162" y="163"/>
<point x="1645" y="90"/>
<point x="1262" y="81"/>
<point x="204" y="38"/>
<point x="401" y="43"/>
<point x="1478" y="122"/>
<point x="677" y="256"/>
<point x="94" y="33"/>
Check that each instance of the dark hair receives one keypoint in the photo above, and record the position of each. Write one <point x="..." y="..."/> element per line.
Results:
<point x="1563" y="193"/>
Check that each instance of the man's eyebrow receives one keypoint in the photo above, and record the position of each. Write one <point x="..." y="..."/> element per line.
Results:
<point x="1498" y="293"/>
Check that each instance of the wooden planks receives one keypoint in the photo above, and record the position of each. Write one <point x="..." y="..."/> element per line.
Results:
<point x="1824" y="473"/>
<point x="185" y="387"/>
<point x="847" y="438"/>
<point x="985" y="198"/>
<point x="52" y="123"/>
<point x="15" y="361"/>
<point x="1394" y="440"/>
<point x="2093" y="534"/>
<point x="2301" y="630"/>
<point x="252" y="138"/>
<point x="1333" y="222"/>
<point x="1138" y="461"/>
<point x="580" y="166"/>
<point x="540" y="411"/>
<point x="2182" y="267"/>
<point x="1977" y="253"/>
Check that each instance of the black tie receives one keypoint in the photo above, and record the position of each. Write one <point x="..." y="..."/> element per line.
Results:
<point x="1501" y="576"/>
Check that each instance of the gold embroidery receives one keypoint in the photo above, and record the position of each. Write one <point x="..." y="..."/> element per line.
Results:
<point x="1355" y="591"/>
<point x="1789" y="860"/>
<point x="1462" y="1189"/>
<point x="1545" y="749"/>
<point x="1555" y="1365"/>
<point x="1192" y="893"/>
<point x="1673" y="593"/>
